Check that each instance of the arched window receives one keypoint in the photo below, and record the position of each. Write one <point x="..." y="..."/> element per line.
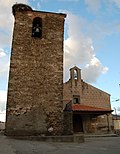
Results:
<point x="75" y="74"/>
<point x="37" y="27"/>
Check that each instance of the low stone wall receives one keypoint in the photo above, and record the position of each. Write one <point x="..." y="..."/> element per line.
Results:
<point x="69" y="138"/>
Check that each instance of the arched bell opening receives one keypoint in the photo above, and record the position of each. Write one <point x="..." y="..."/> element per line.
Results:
<point x="37" y="27"/>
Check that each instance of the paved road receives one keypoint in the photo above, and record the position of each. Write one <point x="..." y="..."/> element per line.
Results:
<point x="104" y="145"/>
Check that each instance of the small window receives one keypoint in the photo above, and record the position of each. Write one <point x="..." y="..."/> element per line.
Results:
<point x="37" y="27"/>
<point x="76" y="99"/>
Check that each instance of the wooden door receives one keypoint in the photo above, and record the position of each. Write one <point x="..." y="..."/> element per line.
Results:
<point x="77" y="123"/>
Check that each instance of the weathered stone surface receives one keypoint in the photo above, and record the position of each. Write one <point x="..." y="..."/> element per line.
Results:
<point x="68" y="123"/>
<point x="35" y="90"/>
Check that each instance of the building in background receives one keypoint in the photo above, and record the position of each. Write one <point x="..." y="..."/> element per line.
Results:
<point x="88" y="107"/>
<point x="116" y="121"/>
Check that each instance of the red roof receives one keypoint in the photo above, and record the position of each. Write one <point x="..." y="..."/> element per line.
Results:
<point x="79" y="107"/>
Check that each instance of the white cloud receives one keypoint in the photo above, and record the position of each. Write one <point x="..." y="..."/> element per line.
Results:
<point x="3" y="99"/>
<point x="117" y="2"/>
<point x="4" y="63"/>
<point x="2" y="53"/>
<point x="6" y="21"/>
<point x="3" y="116"/>
<point x="38" y="5"/>
<point x="2" y="106"/>
<point x="3" y="95"/>
<point x="6" y="25"/>
<point x="79" y="50"/>
<point x="116" y="110"/>
<point x="93" y="5"/>
<point x="93" y="70"/>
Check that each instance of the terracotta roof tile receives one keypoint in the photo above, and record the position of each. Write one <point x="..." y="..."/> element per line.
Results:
<point x="79" y="107"/>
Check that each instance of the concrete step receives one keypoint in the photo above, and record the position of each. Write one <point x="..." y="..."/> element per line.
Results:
<point x="99" y="135"/>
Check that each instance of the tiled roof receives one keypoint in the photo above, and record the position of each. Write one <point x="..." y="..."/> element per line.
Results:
<point x="79" y="107"/>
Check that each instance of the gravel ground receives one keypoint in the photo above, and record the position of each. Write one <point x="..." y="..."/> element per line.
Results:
<point x="100" y="145"/>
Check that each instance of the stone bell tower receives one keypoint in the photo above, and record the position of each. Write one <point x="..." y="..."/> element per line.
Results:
<point x="35" y="89"/>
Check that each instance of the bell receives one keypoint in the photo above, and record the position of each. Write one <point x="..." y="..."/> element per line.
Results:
<point x="37" y="30"/>
<point x="75" y="76"/>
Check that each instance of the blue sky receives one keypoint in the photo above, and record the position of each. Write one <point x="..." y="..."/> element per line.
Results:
<point x="91" y="41"/>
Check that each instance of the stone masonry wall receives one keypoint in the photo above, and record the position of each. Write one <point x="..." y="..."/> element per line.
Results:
<point x="68" y="123"/>
<point x="92" y="96"/>
<point x="89" y="95"/>
<point x="97" y="124"/>
<point x="35" y="90"/>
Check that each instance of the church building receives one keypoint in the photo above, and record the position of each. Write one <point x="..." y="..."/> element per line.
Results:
<point x="89" y="106"/>
<point x="39" y="103"/>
